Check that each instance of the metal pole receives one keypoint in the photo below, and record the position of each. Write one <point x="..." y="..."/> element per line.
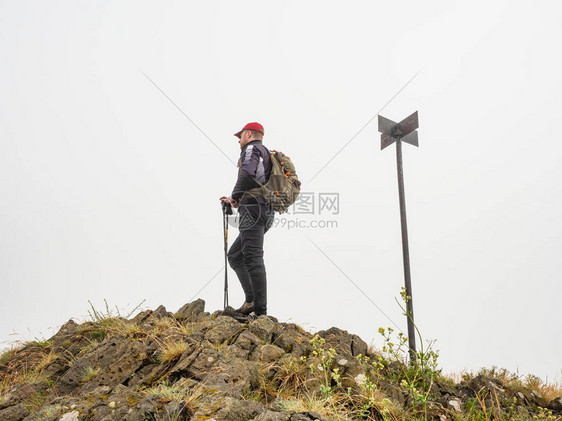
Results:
<point x="406" y="254"/>
<point x="225" y="232"/>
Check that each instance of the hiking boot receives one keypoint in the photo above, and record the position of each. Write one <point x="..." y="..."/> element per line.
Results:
<point x="251" y="317"/>
<point x="246" y="308"/>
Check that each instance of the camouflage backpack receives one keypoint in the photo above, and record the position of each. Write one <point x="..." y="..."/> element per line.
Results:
<point x="283" y="186"/>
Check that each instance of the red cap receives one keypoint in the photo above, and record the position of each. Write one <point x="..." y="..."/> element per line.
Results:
<point x="251" y="126"/>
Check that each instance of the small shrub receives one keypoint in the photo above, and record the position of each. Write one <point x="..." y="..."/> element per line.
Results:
<point x="419" y="375"/>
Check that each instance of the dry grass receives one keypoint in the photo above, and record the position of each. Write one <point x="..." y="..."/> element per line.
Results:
<point x="26" y="368"/>
<point x="52" y="410"/>
<point x="28" y="376"/>
<point x="267" y="388"/>
<point x="171" y="350"/>
<point x="548" y="389"/>
<point x="46" y="360"/>
<point x="180" y="391"/>
<point x="90" y="373"/>
<point x="92" y="344"/>
<point x="163" y="324"/>
<point x="373" y="352"/>
<point x="292" y="374"/>
<point x="166" y="325"/>
<point x="22" y="375"/>
<point x="168" y="392"/>
<point x="9" y="355"/>
<point x="287" y="384"/>
<point x="4" y="397"/>
<point x="303" y="403"/>
<point x="285" y="379"/>
<point x="130" y="329"/>
<point x="308" y="402"/>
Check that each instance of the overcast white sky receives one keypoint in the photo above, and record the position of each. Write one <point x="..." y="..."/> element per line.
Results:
<point x="108" y="191"/>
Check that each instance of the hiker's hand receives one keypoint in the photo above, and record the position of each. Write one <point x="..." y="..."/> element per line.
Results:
<point x="230" y="201"/>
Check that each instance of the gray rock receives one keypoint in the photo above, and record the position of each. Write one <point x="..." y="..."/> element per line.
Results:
<point x="247" y="341"/>
<point x="274" y="416"/>
<point x="141" y="317"/>
<point x="117" y="358"/>
<point x="233" y="351"/>
<point x="65" y="332"/>
<point x="201" y="366"/>
<point x="230" y="377"/>
<point x="186" y="359"/>
<point x="455" y="404"/>
<point x="268" y="353"/>
<point x="344" y="343"/>
<point x="203" y="316"/>
<point x="556" y="404"/>
<point x="393" y="391"/>
<point x="307" y="416"/>
<point x="174" y="410"/>
<point x="269" y="415"/>
<point x="147" y="375"/>
<point x="70" y="416"/>
<point x="235" y="409"/>
<point x="487" y="384"/>
<point x="444" y="388"/>
<point x="353" y="372"/>
<point x="160" y="313"/>
<point x="299" y="416"/>
<point x="108" y="413"/>
<point x="293" y="339"/>
<point x="14" y="413"/>
<point x="190" y="311"/>
<point x="223" y="328"/>
<point x="57" y="368"/>
<point x="263" y="327"/>
<point x="144" y="410"/>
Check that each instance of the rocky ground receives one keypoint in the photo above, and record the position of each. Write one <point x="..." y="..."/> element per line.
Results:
<point x="193" y="365"/>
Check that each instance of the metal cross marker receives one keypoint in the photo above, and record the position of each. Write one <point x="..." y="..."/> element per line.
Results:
<point x="405" y="131"/>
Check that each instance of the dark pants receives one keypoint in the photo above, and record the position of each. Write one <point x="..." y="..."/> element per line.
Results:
<point x="246" y="253"/>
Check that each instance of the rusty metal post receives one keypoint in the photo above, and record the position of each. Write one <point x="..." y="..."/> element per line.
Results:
<point x="406" y="254"/>
<point x="403" y="132"/>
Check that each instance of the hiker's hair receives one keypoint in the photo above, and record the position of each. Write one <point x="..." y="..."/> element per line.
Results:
<point x="257" y="135"/>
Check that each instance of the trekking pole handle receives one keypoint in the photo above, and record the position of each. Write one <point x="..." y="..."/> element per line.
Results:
<point x="227" y="208"/>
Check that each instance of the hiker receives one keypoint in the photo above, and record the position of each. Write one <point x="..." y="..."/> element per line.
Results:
<point x="256" y="217"/>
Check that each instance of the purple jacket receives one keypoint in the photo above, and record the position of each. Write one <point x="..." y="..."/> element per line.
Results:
<point x="254" y="163"/>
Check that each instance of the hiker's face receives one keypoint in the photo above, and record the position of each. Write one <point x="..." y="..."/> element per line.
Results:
<point x="245" y="138"/>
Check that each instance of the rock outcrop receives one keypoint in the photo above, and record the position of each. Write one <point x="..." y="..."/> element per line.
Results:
<point x="191" y="365"/>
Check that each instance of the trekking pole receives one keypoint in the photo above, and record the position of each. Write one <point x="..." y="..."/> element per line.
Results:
<point x="226" y="210"/>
